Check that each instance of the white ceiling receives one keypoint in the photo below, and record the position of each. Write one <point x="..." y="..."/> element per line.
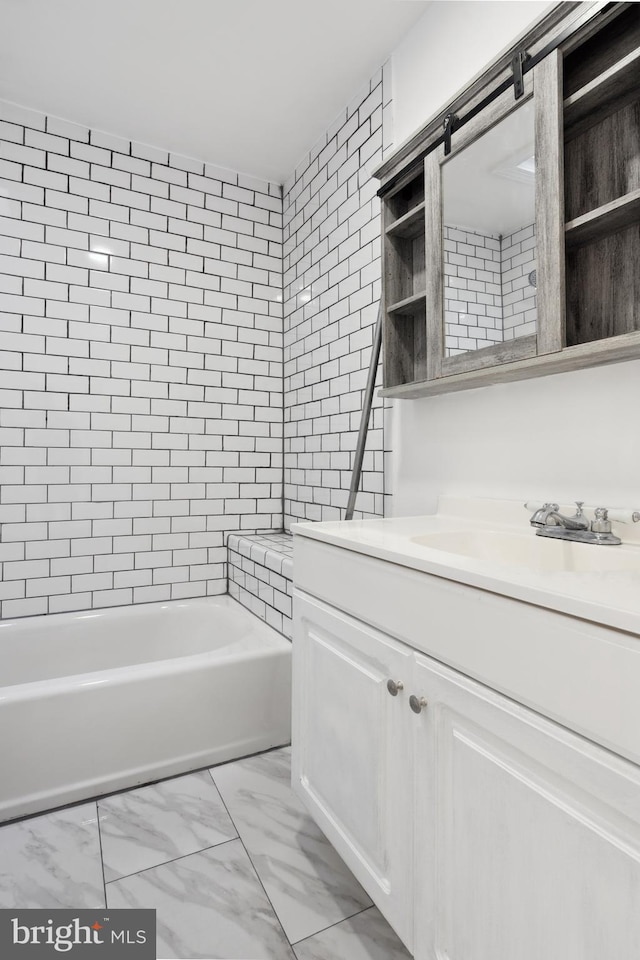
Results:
<point x="245" y="84"/>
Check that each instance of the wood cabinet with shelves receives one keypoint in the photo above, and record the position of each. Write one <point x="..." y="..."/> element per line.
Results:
<point x="587" y="98"/>
<point x="404" y="281"/>
<point x="602" y="182"/>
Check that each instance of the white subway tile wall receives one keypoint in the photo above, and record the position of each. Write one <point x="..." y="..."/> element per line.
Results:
<point x="489" y="296"/>
<point x="473" y="290"/>
<point x="141" y="358"/>
<point x="331" y="295"/>
<point x="261" y="575"/>
<point x="518" y="253"/>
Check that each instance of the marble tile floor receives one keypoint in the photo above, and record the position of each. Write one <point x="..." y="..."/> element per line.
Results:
<point x="228" y="858"/>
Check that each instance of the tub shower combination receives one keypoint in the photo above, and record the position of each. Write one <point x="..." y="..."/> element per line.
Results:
<point x="99" y="701"/>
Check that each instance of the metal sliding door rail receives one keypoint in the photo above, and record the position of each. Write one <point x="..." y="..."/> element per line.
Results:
<point x="521" y="63"/>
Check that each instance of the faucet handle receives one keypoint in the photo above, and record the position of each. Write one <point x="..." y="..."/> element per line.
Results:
<point x="601" y="522"/>
<point x="624" y="516"/>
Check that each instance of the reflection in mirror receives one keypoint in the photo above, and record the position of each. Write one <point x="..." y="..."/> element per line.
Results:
<point x="490" y="237"/>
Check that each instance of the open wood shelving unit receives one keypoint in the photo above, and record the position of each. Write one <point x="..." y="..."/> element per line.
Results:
<point x="597" y="132"/>
<point x="404" y="282"/>
<point x="602" y="183"/>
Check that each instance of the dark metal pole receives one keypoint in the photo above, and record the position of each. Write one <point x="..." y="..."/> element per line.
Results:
<point x="366" y="413"/>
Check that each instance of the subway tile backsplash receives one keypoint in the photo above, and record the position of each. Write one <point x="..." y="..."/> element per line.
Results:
<point x="141" y="367"/>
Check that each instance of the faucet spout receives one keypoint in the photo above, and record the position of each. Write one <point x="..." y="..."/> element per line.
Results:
<point x="541" y="516"/>
<point x="549" y="516"/>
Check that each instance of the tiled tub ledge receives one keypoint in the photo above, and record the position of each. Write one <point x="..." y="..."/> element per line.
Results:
<point x="260" y="575"/>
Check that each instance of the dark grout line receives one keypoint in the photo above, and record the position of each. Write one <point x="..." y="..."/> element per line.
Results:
<point x="104" y="882"/>
<point x="291" y="943"/>
<point x="336" y="924"/>
<point x="212" y="846"/>
<point x="258" y="877"/>
<point x="183" y="856"/>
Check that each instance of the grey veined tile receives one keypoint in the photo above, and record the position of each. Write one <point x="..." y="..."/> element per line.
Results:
<point x="146" y="827"/>
<point x="52" y="861"/>
<point x="305" y="879"/>
<point x="210" y="906"/>
<point x="366" y="936"/>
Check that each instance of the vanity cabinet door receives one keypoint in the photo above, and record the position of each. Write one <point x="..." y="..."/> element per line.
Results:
<point x="351" y="752"/>
<point x="527" y="836"/>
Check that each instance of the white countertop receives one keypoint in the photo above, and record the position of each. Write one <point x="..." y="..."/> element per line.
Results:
<point x="609" y="596"/>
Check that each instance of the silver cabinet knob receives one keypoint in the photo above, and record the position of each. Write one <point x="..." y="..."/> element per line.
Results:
<point x="394" y="687"/>
<point x="417" y="703"/>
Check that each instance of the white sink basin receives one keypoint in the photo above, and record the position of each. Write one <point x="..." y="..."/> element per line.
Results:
<point x="540" y="554"/>
<point x="489" y="544"/>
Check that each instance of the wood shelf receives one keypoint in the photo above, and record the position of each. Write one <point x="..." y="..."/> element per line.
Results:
<point x="604" y="220"/>
<point x="410" y="225"/>
<point x="610" y="91"/>
<point x="409" y="306"/>
<point x="578" y="357"/>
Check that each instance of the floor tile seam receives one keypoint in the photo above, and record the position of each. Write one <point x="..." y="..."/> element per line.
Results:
<point x="104" y="881"/>
<point x="254" y="868"/>
<point x="370" y="906"/>
<point x="184" y="856"/>
<point x="330" y="926"/>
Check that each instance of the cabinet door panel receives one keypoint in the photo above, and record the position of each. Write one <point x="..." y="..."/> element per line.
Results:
<point x="529" y="835"/>
<point x="350" y="755"/>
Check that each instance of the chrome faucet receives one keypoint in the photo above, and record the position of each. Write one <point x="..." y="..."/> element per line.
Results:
<point x="548" y="515"/>
<point x="551" y="523"/>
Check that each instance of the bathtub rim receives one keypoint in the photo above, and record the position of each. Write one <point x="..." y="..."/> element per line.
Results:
<point x="267" y="641"/>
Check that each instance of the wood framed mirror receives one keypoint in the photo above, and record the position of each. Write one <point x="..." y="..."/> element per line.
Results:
<point x="493" y="228"/>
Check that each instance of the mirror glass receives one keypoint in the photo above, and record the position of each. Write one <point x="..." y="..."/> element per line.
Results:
<point x="490" y="237"/>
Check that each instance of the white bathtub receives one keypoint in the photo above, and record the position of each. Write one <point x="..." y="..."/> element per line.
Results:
<point x="98" y="701"/>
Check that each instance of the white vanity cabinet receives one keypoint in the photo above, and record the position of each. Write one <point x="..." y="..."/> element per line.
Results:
<point x="352" y="757"/>
<point x="481" y="829"/>
<point x="527" y="837"/>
